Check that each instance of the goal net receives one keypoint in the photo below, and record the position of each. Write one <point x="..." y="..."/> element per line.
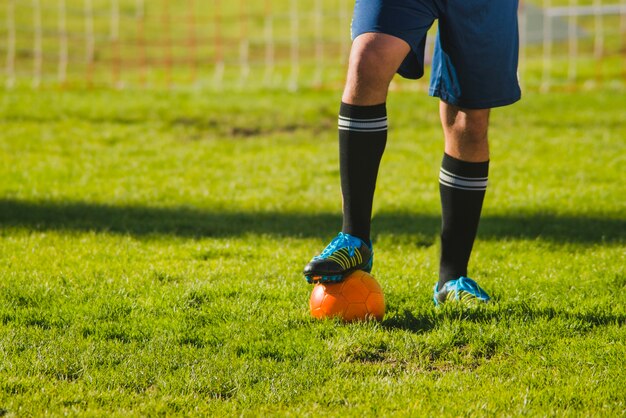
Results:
<point x="275" y="44"/>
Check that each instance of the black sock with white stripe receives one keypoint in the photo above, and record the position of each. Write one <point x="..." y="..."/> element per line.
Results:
<point x="362" y="140"/>
<point x="462" y="188"/>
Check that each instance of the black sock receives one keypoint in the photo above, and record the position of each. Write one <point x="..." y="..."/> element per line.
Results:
<point x="462" y="188"/>
<point x="362" y="139"/>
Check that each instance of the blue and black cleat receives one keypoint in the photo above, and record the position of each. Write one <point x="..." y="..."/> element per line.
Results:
<point x="463" y="290"/>
<point x="341" y="257"/>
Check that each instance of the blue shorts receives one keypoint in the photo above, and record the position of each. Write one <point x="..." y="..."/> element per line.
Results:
<point x="476" y="51"/>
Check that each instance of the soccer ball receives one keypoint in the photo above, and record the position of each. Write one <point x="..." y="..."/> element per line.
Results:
<point x="358" y="297"/>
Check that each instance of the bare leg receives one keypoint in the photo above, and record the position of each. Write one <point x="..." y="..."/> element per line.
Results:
<point x="374" y="59"/>
<point x="462" y="185"/>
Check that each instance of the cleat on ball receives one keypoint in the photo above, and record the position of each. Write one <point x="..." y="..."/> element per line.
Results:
<point x="344" y="255"/>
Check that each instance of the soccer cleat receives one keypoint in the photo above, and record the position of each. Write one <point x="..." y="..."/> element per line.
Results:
<point x="463" y="290"/>
<point x="341" y="257"/>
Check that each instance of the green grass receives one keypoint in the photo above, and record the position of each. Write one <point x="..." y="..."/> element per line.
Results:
<point x="151" y="247"/>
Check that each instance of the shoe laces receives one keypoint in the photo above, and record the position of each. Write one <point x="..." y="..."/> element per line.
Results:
<point x="341" y="241"/>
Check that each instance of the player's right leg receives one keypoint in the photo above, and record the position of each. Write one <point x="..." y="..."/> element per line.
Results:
<point x="374" y="59"/>
<point x="389" y="37"/>
<point x="474" y="69"/>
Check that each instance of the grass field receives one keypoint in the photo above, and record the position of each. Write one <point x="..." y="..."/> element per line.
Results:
<point x="151" y="247"/>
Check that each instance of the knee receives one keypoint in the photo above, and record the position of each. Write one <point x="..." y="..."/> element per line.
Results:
<point x="467" y="125"/>
<point x="366" y="61"/>
<point x="374" y="59"/>
<point x="472" y="131"/>
<point x="366" y="76"/>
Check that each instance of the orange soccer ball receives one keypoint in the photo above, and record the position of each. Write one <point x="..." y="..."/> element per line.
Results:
<point x="358" y="297"/>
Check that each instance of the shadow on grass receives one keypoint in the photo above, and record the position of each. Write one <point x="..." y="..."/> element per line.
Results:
<point x="197" y="223"/>
<point x="495" y="313"/>
<point x="409" y="322"/>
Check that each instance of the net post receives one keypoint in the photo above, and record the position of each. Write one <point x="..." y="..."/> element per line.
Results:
<point x="572" y="41"/>
<point x="598" y="44"/>
<point x="115" y="20"/>
<point x="114" y="37"/>
<point x="89" y="41"/>
<point x="269" y="44"/>
<point x="63" y="47"/>
<point x="37" y="45"/>
<point x="10" y="65"/>
<point x="319" y="43"/>
<point x="165" y="21"/>
<point x="192" y="41"/>
<point x="218" y="76"/>
<point x="244" y="44"/>
<point x="140" y="9"/>
<point x="622" y="31"/>
<point x="140" y="41"/>
<point x="547" y="48"/>
<point x="295" y="45"/>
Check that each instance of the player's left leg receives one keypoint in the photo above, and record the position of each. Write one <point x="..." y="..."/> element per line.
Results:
<point x="462" y="185"/>
<point x="474" y="69"/>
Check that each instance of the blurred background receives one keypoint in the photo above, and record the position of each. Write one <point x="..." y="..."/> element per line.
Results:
<point x="269" y="44"/>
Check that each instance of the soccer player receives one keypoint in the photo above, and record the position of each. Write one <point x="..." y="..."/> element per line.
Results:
<point x="474" y="69"/>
